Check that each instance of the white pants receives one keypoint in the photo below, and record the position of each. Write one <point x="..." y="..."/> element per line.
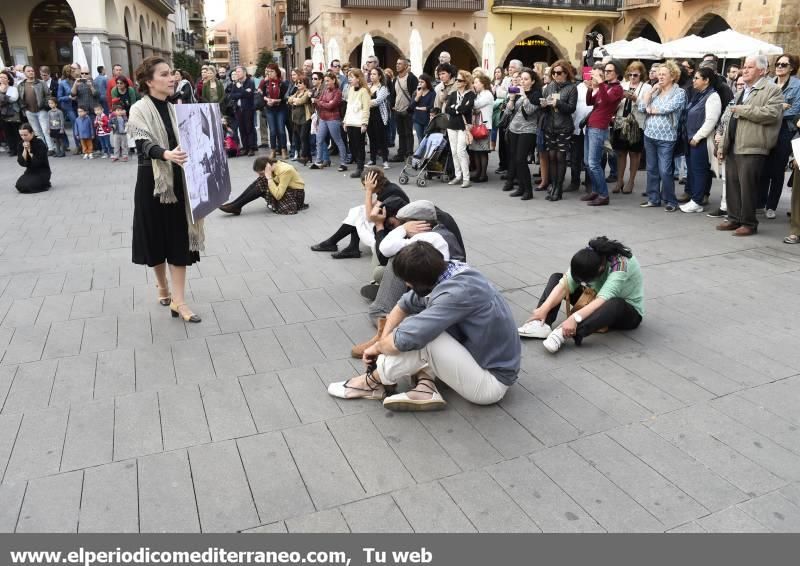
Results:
<point x="458" y="148"/>
<point x="724" y="202"/>
<point x="357" y="216"/>
<point x="448" y="360"/>
<point x="41" y="126"/>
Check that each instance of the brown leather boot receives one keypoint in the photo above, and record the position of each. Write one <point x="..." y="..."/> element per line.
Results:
<point x="358" y="351"/>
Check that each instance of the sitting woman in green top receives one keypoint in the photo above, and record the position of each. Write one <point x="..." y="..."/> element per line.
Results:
<point x="608" y="268"/>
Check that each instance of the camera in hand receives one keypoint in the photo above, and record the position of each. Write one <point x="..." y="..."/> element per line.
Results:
<point x="513" y="90"/>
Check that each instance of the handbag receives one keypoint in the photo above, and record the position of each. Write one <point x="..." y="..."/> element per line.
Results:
<point x="586" y="297"/>
<point x="479" y="130"/>
<point x="628" y="129"/>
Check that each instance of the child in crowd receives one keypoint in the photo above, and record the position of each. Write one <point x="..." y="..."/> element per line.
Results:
<point x="119" y="135"/>
<point x="231" y="145"/>
<point x="84" y="129"/>
<point x="55" y="117"/>
<point x="103" y="131"/>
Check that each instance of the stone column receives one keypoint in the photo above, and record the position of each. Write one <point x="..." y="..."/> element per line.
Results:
<point x="136" y="53"/>
<point x="118" y="54"/>
<point x="147" y="50"/>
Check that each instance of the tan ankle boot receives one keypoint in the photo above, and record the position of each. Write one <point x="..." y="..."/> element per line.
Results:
<point x="358" y="351"/>
<point x="284" y="154"/>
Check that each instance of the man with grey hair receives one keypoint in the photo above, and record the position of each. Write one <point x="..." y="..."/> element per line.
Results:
<point x="308" y="67"/>
<point x="405" y="87"/>
<point x="444" y="57"/>
<point x="752" y="132"/>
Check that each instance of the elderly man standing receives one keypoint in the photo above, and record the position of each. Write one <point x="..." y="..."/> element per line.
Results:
<point x="752" y="132"/>
<point x="453" y="325"/>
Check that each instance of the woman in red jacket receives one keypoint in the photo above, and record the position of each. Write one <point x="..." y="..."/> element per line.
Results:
<point x="603" y="95"/>
<point x="329" y="120"/>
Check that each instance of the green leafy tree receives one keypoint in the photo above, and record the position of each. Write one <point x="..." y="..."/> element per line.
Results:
<point x="188" y="63"/>
<point x="264" y="58"/>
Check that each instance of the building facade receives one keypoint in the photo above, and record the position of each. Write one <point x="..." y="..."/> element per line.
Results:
<point x="456" y="26"/>
<point x="40" y="32"/>
<point x="255" y="25"/>
<point x="219" y="48"/>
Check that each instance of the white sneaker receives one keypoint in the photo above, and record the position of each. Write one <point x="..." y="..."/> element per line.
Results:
<point x="86" y="156"/>
<point x="770" y="214"/>
<point x="104" y="156"/>
<point x="370" y="163"/>
<point x="455" y="181"/>
<point x="691" y="206"/>
<point x="554" y="341"/>
<point x="466" y="185"/>
<point x="534" y="329"/>
<point x="386" y="165"/>
<point x="91" y="156"/>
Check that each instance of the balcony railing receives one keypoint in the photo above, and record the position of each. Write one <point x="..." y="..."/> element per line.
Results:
<point x="593" y="5"/>
<point x="377" y="4"/>
<point x="451" y="5"/>
<point x="633" y="4"/>
<point x="297" y="12"/>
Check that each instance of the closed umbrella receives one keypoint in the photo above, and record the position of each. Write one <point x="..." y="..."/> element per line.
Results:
<point x="97" y="56"/>
<point x="367" y="49"/>
<point x="333" y="50"/>
<point x="78" y="55"/>
<point x="415" y="45"/>
<point x="488" y="56"/>
<point x="318" y="57"/>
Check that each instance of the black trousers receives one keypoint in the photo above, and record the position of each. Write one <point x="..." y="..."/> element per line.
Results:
<point x="771" y="185"/>
<point x="576" y="161"/>
<point x="405" y="133"/>
<point x="615" y="314"/>
<point x="357" y="146"/>
<point x="519" y="146"/>
<point x="301" y="136"/>
<point x="13" y="140"/>
<point x="502" y="149"/>
<point x="247" y="129"/>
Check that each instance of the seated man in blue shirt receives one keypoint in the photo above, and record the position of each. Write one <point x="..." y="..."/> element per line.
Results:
<point x="452" y="325"/>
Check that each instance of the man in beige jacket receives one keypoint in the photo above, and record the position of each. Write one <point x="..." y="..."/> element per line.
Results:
<point x="752" y="132"/>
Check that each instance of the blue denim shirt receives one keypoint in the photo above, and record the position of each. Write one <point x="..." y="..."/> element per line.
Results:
<point x="664" y="124"/>
<point x="792" y="97"/>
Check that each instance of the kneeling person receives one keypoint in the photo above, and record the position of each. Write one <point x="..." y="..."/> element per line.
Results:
<point x="452" y="325"/>
<point x="605" y="285"/>
<point x="278" y="183"/>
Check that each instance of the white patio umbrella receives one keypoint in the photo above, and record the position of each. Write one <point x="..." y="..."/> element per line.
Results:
<point x="367" y="49"/>
<point x="415" y="45"/>
<point x="318" y="57"/>
<point x="639" y="48"/>
<point x="487" y="55"/>
<point x="730" y="44"/>
<point x="97" y="56"/>
<point x="333" y="50"/>
<point x="691" y="46"/>
<point x="78" y="55"/>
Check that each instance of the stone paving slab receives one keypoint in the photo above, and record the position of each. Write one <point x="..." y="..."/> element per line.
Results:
<point x="115" y="417"/>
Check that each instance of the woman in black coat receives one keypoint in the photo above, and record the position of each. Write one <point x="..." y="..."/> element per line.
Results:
<point x="184" y="91"/>
<point x="33" y="156"/>
<point x="163" y="231"/>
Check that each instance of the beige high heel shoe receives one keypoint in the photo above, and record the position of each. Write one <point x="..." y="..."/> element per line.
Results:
<point x="163" y="300"/>
<point x="186" y="316"/>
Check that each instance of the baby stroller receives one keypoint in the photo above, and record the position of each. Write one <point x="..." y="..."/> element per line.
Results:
<point x="432" y="157"/>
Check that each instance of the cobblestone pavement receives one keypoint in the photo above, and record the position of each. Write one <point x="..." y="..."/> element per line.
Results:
<point x="116" y="417"/>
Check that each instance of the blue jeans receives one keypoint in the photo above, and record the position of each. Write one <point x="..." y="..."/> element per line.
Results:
<point x="332" y="128"/>
<point x="276" y="119"/>
<point x="697" y="171"/>
<point x="105" y="144"/>
<point x="593" y="151"/>
<point x="71" y="116"/>
<point x="314" y="149"/>
<point x="660" y="168"/>
<point x="420" y="130"/>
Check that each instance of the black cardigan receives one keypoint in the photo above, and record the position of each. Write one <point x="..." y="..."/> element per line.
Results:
<point x="458" y="118"/>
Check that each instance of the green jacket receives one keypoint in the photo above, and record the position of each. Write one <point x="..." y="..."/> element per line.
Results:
<point x="758" y="121"/>
<point x="115" y="95"/>
<point x="207" y="96"/>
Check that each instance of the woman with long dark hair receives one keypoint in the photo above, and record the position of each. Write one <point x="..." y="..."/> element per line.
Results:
<point x="523" y="106"/>
<point x="378" y="117"/>
<point x="9" y="112"/>
<point x="273" y="89"/>
<point x="163" y="230"/>
<point x="609" y="274"/>
<point x="561" y="100"/>
<point x="184" y="90"/>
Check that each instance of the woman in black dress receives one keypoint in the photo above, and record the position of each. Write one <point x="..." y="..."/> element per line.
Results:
<point x="162" y="229"/>
<point x="33" y="156"/>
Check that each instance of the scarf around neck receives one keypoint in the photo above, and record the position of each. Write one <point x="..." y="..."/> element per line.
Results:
<point x="145" y="124"/>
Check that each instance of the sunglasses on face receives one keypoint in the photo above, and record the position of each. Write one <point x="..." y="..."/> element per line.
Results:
<point x="84" y="74"/>
<point x="557" y="73"/>
<point x="609" y="70"/>
<point x="633" y="74"/>
<point x="782" y="65"/>
<point x="460" y="80"/>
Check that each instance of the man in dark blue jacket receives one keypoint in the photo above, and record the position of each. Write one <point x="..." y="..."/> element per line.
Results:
<point x="242" y="95"/>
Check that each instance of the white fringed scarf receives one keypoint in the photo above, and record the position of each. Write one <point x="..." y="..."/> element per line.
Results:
<point x="145" y="124"/>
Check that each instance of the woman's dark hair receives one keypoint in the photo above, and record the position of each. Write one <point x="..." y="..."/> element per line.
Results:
<point x="122" y="79"/>
<point x="707" y="74"/>
<point x="320" y="75"/>
<point x="333" y="76"/>
<point x="10" y="77"/>
<point x="184" y="75"/>
<point x="381" y="75"/>
<point x="427" y="79"/>
<point x="419" y="264"/>
<point x="537" y="81"/>
<point x="566" y="67"/>
<point x="274" y="67"/>
<point x="381" y="179"/>
<point x="28" y="128"/>
<point x="260" y="163"/>
<point x="304" y="81"/>
<point x="147" y="70"/>
<point x="618" y="68"/>
<point x="447" y="68"/>
<point x="585" y="264"/>
<point x="794" y="62"/>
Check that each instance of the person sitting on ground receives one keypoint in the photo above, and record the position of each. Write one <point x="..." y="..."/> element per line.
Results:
<point x="278" y="183"/>
<point x="419" y="220"/>
<point x="607" y="278"/>
<point x="33" y="156"/>
<point x="452" y="324"/>
<point x="357" y="225"/>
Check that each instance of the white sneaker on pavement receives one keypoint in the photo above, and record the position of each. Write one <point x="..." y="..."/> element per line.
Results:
<point x="554" y="341"/>
<point x="534" y="329"/>
<point x="770" y="214"/>
<point x="691" y="206"/>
